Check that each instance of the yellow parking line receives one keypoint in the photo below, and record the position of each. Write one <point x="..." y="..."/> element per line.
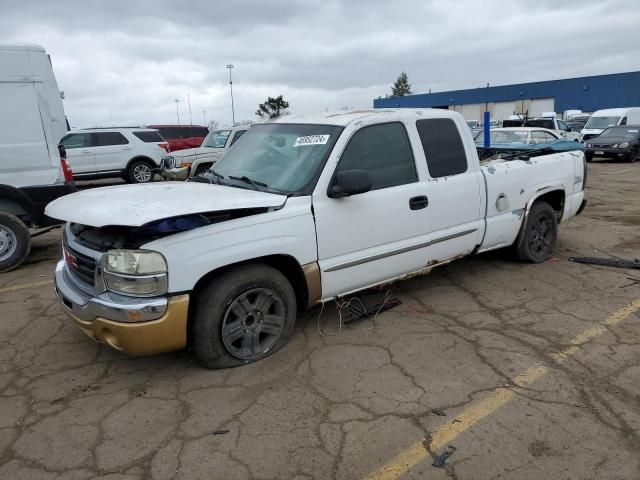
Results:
<point x="416" y="453"/>
<point x="26" y="285"/>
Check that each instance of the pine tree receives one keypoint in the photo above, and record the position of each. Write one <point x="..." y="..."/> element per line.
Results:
<point x="272" y="108"/>
<point x="401" y="87"/>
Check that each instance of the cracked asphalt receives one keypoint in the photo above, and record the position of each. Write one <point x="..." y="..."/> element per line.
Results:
<point x="341" y="402"/>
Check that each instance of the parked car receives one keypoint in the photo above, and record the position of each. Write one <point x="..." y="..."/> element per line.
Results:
<point x="131" y="153"/>
<point x="610" y="117"/>
<point x="555" y="124"/>
<point x="524" y="135"/>
<point x="622" y="143"/>
<point x="304" y="209"/>
<point x="194" y="161"/>
<point x="32" y="169"/>
<point x="180" y="137"/>
<point x="512" y="140"/>
<point x="473" y="124"/>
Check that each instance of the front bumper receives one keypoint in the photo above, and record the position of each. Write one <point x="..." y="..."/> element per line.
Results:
<point x="136" y="326"/>
<point x="607" y="153"/>
<point x="179" y="173"/>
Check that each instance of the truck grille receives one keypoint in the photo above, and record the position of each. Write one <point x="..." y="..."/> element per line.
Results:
<point x="596" y="145"/>
<point x="81" y="266"/>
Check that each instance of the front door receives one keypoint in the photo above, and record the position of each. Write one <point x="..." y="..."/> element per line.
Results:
<point x="79" y="152"/>
<point x="378" y="235"/>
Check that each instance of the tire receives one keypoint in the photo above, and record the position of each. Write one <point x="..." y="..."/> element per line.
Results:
<point x="230" y="316"/>
<point x="538" y="239"/>
<point x="140" y="171"/>
<point x="15" y="242"/>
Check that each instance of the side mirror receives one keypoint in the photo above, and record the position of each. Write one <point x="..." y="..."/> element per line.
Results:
<point x="349" y="182"/>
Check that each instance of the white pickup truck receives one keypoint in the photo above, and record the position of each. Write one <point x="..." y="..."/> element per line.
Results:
<point x="305" y="209"/>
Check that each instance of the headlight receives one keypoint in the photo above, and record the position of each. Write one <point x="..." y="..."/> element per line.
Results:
<point x="135" y="272"/>
<point x="623" y="145"/>
<point x="588" y="145"/>
<point x="168" y="161"/>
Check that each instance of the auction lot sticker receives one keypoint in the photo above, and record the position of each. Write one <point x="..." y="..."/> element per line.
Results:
<point x="311" y="140"/>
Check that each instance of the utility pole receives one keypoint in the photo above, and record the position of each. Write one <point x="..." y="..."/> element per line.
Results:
<point x="177" y="114"/>
<point x="233" y="114"/>
<point x="204" y="118"/>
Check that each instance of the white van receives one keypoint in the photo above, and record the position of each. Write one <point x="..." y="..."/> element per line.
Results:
<point x="610" y="117"/>
<point x="32" y="170"/>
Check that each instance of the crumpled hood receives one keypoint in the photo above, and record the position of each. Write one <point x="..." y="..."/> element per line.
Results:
<point x="198" y="151"/>
<point x="137" y="205"/>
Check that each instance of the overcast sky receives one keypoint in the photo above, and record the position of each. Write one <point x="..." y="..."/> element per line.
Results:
<point x="124" y="62"/>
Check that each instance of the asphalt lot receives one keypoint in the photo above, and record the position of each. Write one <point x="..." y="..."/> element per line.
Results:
<point x="529" y="371"/>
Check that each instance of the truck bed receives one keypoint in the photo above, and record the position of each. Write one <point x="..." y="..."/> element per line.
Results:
<point x="513" y="183"/>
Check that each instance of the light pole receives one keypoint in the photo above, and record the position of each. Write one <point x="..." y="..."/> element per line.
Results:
<point x="204" y="118"/>
<point x="233" y="113"/>
<point x="177" y="114"/>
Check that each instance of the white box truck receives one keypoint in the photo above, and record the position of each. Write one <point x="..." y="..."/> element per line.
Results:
<point x="33" y="171"/>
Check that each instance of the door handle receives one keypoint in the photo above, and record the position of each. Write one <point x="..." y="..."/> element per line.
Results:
<point x="416" y="203"/>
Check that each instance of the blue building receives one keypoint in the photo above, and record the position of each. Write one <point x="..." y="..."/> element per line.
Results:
<point x="584" y="93"/>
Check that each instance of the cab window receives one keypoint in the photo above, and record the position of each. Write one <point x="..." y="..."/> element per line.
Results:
<point x="443" y="147"/>
<point x="385" y="152"/>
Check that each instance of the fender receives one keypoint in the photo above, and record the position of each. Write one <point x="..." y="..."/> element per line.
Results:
<point x="13" y="194"/>
<point x="539" y="193"/>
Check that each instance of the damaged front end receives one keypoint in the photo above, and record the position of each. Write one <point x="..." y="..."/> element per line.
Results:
<point x="108" y="237"/>
<point x="117" y="291"/>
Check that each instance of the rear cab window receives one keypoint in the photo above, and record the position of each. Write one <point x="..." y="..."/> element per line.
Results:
<point x="443" y="147"/>
<point x="149" y="137"/>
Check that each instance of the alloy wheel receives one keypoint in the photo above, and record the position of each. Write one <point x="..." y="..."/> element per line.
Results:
<point x="253" y="323"/>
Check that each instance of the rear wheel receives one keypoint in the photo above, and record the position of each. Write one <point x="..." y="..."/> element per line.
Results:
<point x="140" y="171"/>
<point x="15" y="242"/>
<point x="242" y="316"/>
<point x="538" y="240"/>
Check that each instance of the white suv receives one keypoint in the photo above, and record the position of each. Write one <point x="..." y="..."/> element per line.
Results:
<point x="131" y="153"/>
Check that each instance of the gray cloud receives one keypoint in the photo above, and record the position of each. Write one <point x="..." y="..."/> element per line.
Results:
<point x="126" y="61"/>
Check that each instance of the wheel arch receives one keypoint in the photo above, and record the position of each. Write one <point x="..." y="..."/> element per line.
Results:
<point x="304" y="279"/>
<point x="144" y="158"/>
<point x="17" y="203"/>
<point x="554" y="196"/>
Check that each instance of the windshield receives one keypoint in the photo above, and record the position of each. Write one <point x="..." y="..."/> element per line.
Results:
<point x="620" y="132"/>
<point x="602" y="122"/>
<point x="216" y="139"/>
<point x="285" y="157"/>
<point x="505" y="136"/>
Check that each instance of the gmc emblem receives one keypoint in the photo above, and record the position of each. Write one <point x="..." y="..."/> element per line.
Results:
<point x="71" y="260"/>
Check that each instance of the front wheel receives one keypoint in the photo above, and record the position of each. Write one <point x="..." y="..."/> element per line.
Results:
<point x="15" y="242"/>
<point x="538" y="240"/>
<point x="242" y="316"/>
<point x="139" y="171"/>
